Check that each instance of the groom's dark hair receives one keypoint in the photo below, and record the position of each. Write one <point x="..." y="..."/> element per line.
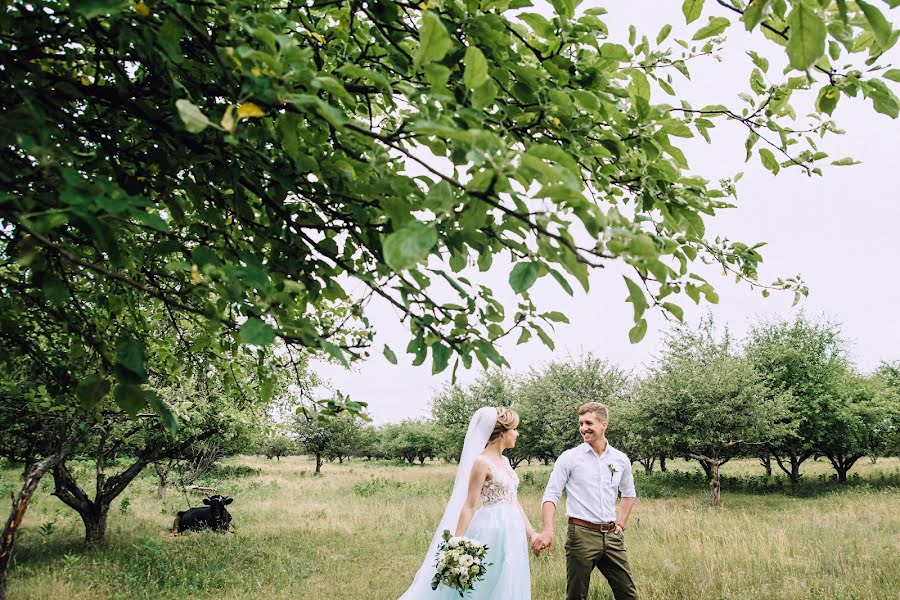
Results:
<point x="598" y="408"/>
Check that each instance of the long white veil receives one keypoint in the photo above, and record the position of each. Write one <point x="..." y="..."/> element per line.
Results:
<point x="480" y="428"/>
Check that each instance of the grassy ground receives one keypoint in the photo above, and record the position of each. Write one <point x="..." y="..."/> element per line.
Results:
<point x="359" y="531"/>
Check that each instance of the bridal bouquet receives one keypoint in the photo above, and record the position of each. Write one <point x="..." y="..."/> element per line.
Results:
<point x="460" y="563"/>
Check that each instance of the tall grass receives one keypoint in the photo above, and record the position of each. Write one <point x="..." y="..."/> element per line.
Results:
<point x="359" y="531"/>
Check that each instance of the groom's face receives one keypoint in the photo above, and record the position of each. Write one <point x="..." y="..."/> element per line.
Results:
<point x="591" y="427"/>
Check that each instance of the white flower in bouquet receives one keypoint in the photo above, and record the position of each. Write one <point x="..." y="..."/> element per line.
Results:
<point x="460" y="563"/>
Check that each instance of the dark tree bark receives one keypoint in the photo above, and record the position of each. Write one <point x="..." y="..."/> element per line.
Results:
<point x="318" y="462"/>
<point x="711" y="468"/>
<point x="715" y="488"/>
<point x="162" y="472"/>
<point x="842" y="463"/>
<point x="662" y="463"/>
<point x="766" y="461"/>
<point x="792" y="468"/>
<point x="94" y="512"/>
<point x="33" y="474"/>
<point x="647" y="463"/>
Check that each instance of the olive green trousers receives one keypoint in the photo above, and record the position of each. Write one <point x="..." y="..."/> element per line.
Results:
<point x="587" y="549"/>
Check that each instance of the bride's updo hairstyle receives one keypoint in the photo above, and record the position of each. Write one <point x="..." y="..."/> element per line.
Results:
<point x="506" y="419"/>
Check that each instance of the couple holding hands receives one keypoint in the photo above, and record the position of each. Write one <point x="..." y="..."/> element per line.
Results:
<point x="484" y="507"/>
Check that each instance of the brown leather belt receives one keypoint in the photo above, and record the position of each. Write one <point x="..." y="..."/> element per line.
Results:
<point x="602" y="527"/>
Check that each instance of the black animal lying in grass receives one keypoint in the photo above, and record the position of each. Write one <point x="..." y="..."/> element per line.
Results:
<point x="212" y="516"/>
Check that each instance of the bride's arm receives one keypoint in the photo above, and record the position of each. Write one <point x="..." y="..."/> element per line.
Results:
<point x="476" y="482"/>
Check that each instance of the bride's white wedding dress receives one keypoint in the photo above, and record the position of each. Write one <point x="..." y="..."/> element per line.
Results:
<point x="498" y="524"/>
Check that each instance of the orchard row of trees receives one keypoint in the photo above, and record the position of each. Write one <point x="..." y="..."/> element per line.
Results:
<point x="788" y="393"/>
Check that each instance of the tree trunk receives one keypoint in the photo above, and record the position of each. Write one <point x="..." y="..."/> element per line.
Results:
<point x="33" y="476"/>
<point x="94" y="512"/>
<point x="873" y="459"/>
<point x="795" y="476"/>
<point x="794" y="472"/>
<point x="648" y="464"/>
<point x="162" y="471"/>
<point x="318" y="462"/>
<point x="662" y="463"/>
<point x="766" y="462"/>
<point x="842" y="464"/>
<point x="94" y="519"/>
<point x="715" y="489"/>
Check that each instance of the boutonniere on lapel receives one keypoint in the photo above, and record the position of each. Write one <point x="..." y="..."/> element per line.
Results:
<point x="612" y="470"/>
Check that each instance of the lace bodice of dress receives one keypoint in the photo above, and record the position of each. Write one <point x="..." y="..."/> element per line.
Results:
<point x="501" y="487"/>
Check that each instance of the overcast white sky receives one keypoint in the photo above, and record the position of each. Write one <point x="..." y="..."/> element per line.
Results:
<point x="837" y="231"/>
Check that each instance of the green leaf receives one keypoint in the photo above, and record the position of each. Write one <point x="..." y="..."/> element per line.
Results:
<point x="130" y="359"/>
<point x="169" y="421"/>
<point x="636" y="297"/>
<point x="845" y="162"/>
<point x="565" y="8"/>
<point x="266" y="389"/>
<point x="523" y="276"/>
<point x="440" y="197"/>
<point x="389" y="354"/>
<point x="637" y="333"/>
<point x="807" y="37"/>
<point x="842" y="9"/>
<point x="556" y="317"/>
<point x="476" y="68"/>
<point x="754" y="14"/>
<point x="91" y="390"/>
<point x="90" y="9"/>
<point x="881" y="27"/>
<point x="409" y="245"/>
<point x="334" y="351"/>
<point x="434" y="41"/>
<point x="130" y="397"/>
<point x="643" y="245"/>
<point x="692" y="10"/>
<point x="440" y="354"/>
<point x="882" y="97"/>
<point x="892" y="74"/>
<point x="769" y="161"/>
<point x="194" y="120"/>
<point x="828" y="99"/>
<point x="663" y="33"/>
<point x="524" y="336"/>
<point x="715" y="26"/>
<point x="564" y="284"/>
<point x="675" y="310"/>
<point x="484" y="95"/>
<point x="614" y="51"/>
<point x="256" y="332"/>
<point x="55" y="291"/>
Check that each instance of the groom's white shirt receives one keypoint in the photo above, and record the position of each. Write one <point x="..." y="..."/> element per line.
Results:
<point x="591" y="481"/>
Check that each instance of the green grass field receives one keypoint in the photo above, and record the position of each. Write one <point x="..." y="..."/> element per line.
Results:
<point x="359" y="531"/>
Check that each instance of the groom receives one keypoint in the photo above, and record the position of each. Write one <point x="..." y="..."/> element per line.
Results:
<point x="592" y="474"/>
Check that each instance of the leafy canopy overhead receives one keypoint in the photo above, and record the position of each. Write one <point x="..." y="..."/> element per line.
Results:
<point x="264" y="169"/>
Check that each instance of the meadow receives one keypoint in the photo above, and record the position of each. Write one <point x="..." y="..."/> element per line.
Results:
<point x="359" y="531"/>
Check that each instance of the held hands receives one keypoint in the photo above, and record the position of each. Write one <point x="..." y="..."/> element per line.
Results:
<point x="539" y="541"/>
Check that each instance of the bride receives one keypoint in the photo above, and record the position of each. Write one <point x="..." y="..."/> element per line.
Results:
<point x="485" y="477"/>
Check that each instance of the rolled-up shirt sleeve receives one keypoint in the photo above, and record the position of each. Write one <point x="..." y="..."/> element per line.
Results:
<point x="557" y="482"/>
<point x="626" y="484"/>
